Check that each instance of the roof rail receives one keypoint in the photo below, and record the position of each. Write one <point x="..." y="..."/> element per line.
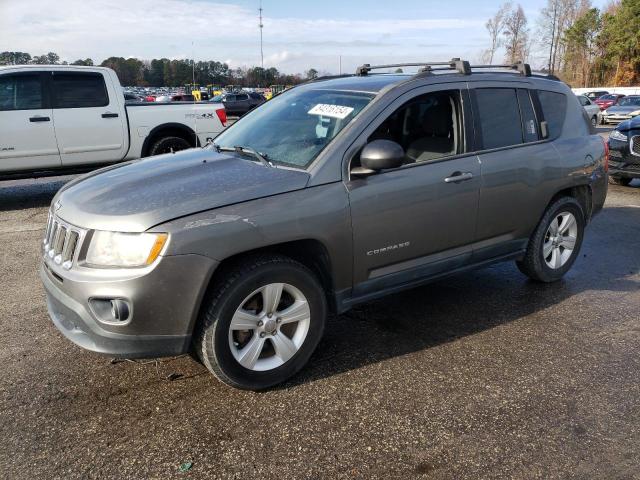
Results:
<point x="520" y="66"/>
<point x="460" y="66"/>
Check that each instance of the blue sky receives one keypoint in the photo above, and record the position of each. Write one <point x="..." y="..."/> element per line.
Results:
<point x="298" y="35"/>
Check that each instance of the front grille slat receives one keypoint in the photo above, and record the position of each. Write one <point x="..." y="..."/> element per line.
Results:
<point x="61" y="241"/>
<point x="635" y="145"/>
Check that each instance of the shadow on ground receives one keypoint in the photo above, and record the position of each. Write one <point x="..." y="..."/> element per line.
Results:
<point x="470" y="303"/>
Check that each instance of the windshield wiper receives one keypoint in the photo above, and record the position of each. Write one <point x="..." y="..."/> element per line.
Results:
<point x="262" y="158"/>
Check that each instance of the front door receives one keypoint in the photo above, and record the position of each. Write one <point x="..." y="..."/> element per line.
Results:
<point x="417" y="220"/>
<point x="27" y="138"/>
<point x="87" y="116"/>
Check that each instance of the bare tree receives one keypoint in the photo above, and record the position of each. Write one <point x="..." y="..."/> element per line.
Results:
<point x="495" y="26"/>
<point x="553" y="22"/>
<point x="516" y="35"/>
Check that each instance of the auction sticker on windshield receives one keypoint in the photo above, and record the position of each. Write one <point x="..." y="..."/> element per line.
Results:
<point x="326" y="110"/>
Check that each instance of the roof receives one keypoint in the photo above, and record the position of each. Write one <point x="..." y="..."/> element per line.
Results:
<point x="370" y="83"/>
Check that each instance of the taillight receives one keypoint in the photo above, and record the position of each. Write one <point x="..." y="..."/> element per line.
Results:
<point x="606" y="155"/>
<point x="222" y="115"/>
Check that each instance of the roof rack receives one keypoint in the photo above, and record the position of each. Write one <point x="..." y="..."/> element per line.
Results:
<point x="460" y="66"/>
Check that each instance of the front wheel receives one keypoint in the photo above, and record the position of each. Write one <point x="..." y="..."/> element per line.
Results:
<point x="594" y="121"/>
<point x="260" y="326"/>
<point x="555" y="243"/>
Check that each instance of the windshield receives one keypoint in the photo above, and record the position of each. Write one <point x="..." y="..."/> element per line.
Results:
<point x="293" y="128"/>
<point x="629" y="102"/>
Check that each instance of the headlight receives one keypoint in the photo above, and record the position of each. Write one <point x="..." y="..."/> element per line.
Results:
<point x="113" y="249"/>
<point x="617" y="135"/>
<point x="635" y="113"/>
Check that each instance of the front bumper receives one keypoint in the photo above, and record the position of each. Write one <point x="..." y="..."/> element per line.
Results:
<point x="164" y="301"/>
<point x="623" y="163"/>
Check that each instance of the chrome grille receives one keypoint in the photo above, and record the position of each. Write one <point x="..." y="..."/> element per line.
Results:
<point x="635" y="145"/>
<point x="61" y="241"/>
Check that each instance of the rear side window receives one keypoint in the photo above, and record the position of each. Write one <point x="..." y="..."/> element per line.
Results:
<point x="527" y="113"/>
<point x="79" y="90"/>
<point x="499" y="117"/>
<point x="554" y="106"/>
<point x="21" y="92"/>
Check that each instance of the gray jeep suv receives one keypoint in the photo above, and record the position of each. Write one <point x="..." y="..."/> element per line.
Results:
<point x="335" y="192"/>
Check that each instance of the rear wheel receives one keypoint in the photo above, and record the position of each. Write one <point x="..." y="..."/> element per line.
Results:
<point x="620" y="181"/>
<point x="262" y="324"/>
<point x="168" y="145"/>
<point x="555" y="243"/>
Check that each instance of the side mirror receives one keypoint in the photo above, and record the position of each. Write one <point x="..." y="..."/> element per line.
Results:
<point x="379" y="155"/>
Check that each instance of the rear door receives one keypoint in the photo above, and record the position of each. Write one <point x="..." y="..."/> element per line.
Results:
<point x="27" y="138"/>
<point x="87" y="113"/>
<point x="515" y="164"/>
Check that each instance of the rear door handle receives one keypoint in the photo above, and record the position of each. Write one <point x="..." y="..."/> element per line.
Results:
<point x="457" y="177"/>
<point x="39" y="119"/>
<point x="109" y="115"/>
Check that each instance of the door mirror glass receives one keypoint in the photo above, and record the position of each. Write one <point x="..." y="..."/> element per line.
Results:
<point x="381" y="155"/>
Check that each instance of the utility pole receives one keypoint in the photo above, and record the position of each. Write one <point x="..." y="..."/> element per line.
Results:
<point x="261" y="26"/>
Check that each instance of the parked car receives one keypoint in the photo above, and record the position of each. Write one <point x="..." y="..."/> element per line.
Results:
<point x="591" y="108"/>
<point x="239" y="103"/>
<point x="595" y="94"/>
<point x="84" y="122"/>
<point x="624" y="147"/>
<point x="626" y="108"/>
<point x="340" y="191"/>
<point x="131" y="98"/>
<point x="607" y="101"/>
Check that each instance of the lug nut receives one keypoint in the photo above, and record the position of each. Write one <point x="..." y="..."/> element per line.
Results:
<point x="278" y="320"/>
<point x="269" y="315"/>
<point x="262" y="334"/>
<point x="260" y="323"/>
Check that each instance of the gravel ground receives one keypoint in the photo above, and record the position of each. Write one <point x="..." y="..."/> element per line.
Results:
<point x="481" y="375"/>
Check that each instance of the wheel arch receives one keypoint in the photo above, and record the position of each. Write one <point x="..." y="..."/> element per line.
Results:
<point x="582" y="193"/>
<point x="169" y="130"/>
<point x="311" y="253"/>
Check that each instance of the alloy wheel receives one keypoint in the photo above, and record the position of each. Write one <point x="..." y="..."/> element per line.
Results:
<point x="269" y="326"/>
<point x="560" y="240"/>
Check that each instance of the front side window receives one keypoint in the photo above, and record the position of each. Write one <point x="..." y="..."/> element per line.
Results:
<point x="293" y="128"/>
<point x="79" y="90"/>
<point x="499" y="116"/>
<point x="554" y="106"/>
<point x="21" y="92"/>
<point x="427" y="127"/>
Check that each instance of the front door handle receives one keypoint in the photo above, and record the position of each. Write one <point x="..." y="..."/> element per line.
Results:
<point x="109" y="115"/>
<point x="39" y="119"/>
<point x="457" y="177"/>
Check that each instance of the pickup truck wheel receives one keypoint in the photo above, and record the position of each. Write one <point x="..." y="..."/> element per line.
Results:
<point x="262" y="324"/>
<point x="168" y="145"/>
<point x="555" y="243"/>
<point x="620" y="181"/>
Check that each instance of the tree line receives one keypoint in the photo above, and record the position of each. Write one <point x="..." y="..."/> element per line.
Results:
<point x="581" y="44"/>
<point x="163" y="72"/>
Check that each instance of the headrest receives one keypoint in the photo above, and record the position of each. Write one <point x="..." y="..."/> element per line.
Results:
<point x="437" y="120"/>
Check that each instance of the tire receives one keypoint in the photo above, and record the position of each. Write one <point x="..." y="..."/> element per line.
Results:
<point x="620" y="181"/>
<point x="168" y="145"/>
<point x="594" y="121"/>
<point x="560" y="258"/>
<point x="221" y="347"/>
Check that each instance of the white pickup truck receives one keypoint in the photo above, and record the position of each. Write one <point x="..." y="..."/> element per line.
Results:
<point x="56" y="118"/>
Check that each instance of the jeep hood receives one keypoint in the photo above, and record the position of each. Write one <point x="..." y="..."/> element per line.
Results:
<point x="135" y="196"/>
